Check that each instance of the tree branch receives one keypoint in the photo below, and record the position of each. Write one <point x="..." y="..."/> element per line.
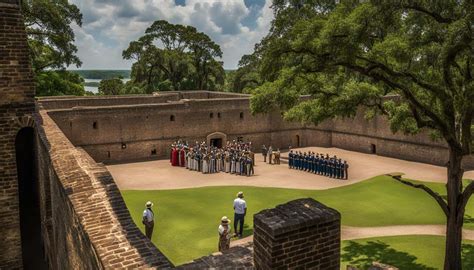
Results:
<point x="442" y="203"/>
<point x="408" y="95"/>
<point x="437" y="17"/>
<point x="419" y="120"/>
<point x="466" y="195"/>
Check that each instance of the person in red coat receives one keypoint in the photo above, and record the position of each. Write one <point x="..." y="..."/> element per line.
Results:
<point x="174" y="157"/>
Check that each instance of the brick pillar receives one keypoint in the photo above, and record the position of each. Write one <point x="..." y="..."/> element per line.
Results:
<point x="299" y="234"/>
<point x="17" y="106"/>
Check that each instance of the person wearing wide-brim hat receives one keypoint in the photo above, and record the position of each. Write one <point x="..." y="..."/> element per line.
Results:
<point x="224" y="234"/>
<point x="148" y="219"/>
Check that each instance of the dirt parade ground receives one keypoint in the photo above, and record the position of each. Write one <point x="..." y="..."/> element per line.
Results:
<point x="159" y="174"/>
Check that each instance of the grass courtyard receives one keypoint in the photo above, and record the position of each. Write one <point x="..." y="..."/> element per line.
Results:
<point x="187" y="219"/>
<point x="417" y="252"/>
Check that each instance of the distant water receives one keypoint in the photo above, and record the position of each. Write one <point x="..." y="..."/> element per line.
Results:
<point x="94" y="89"/>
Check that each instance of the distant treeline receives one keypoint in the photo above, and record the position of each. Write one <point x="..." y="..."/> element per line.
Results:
<point x="102" y="74"/>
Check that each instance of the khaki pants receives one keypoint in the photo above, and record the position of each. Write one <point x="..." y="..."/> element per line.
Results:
<point x="149" y="229"/>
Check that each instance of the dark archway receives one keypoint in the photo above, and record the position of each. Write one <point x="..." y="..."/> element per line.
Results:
<point x="216" y="142"/>
<point x="373" y="149"/>
<point x="29" y="199"/>
<point x="298" y="143"/>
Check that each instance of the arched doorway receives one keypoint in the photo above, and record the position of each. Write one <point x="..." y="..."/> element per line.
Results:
<point x="298" y="143"/>
<point x="29" y="200"/>
<point x="217" y="139"/>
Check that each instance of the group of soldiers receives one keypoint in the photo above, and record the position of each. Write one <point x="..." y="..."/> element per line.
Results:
<point x="234" y="158"/>
<point x="271" y="154"/>
<point x="319" y="164"/>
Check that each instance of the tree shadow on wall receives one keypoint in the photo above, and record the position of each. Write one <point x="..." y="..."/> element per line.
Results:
<point x="362" y="256"/>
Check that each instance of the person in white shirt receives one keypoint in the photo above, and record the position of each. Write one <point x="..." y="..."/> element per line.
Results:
<point x="240" y="210"/>
<point x="224" y="234"/>
<point x="148" y="219"/>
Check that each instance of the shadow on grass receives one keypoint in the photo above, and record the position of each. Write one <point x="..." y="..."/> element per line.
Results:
<point x="362" y="256"/>
<point x="467" y="255"/>
<point x="247" y="230"/>
<point x="468" y="219"/>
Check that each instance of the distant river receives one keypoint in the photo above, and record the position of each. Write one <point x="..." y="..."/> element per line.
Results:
<point x="95" y="89"/>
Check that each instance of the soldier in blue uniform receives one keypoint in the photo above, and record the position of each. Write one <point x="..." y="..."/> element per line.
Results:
<point x="330" y="167"/>
<point x="346" y="167"/>
<point x="326" y="166"/>
<point x="304" y="161"/>
<point x="298" y="161"/>
<point x="290" y="159"/>
<point x="338" y="169"/>
<point x="316" y="157"/>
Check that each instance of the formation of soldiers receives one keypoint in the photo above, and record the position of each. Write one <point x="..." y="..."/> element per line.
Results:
<point x="319" y="164"/>
<point x="234" y="158"/>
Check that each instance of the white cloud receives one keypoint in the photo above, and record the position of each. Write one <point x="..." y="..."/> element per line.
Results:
<point x="109" y="26"/>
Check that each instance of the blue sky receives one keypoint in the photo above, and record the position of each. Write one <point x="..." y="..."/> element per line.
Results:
<point x="109" y="26"/>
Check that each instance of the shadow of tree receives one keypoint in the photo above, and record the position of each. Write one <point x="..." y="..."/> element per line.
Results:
<point x="247" y="230"/>
<point x="362" y="256"/>
<point x="467" y="254"/>
<point x="468" y="219"/>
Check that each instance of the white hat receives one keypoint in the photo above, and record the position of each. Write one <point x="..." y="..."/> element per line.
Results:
<point x="224" y="219"/>
<point x="240" y="194"/>
<point x="149" y="204"/>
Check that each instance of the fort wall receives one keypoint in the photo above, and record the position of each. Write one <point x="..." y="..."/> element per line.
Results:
<point x="17" y="106"/>
<point x="124" y="131"/>
<point x="87" y="224"/>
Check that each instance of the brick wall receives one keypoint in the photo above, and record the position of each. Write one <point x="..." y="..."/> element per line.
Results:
<point x="88" y="223"/>
<point x="300" y="234"/>
<point x="16" y="108"/>
<point x="143" y="124"/>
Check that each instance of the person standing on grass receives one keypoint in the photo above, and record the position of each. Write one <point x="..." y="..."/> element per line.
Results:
<point x="224" y="234"/>
<point x="240" y="210"/>
<point x="148" y="219"/>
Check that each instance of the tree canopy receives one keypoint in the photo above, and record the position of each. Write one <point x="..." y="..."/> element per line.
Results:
<point x="408" y="60"/>
<point x="51" y="44"/>
<point x="175" y="57"/>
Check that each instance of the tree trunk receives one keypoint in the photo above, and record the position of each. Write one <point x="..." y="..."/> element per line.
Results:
<point x="455" y="218"/>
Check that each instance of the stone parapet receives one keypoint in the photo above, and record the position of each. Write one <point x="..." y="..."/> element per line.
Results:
<point x="299" y="234"/>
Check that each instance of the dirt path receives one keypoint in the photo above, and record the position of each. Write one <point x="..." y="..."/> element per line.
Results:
<point x="351" y="233"/>
<point x="159" y="174"/>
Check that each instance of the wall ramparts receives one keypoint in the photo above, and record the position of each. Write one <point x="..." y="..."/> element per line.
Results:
<point x="88" y="223"/>
<point x="126" y="131"/>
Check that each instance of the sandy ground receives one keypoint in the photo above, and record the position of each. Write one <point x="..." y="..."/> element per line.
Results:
<point x="152" y="175"/>
<point x="351" y="233"/>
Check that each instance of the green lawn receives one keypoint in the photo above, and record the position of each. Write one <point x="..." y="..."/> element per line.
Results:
<point x="418" y="252"/>
<point x="187" y="219"/>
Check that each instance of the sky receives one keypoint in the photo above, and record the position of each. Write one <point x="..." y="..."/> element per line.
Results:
<point x="108" y="26"/>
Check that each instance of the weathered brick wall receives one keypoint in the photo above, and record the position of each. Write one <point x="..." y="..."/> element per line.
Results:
<point x="301" y="234"/>
<point x="89" y="224"/>
<point x="145" y="128"/>
<point x="16" y="108"/>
